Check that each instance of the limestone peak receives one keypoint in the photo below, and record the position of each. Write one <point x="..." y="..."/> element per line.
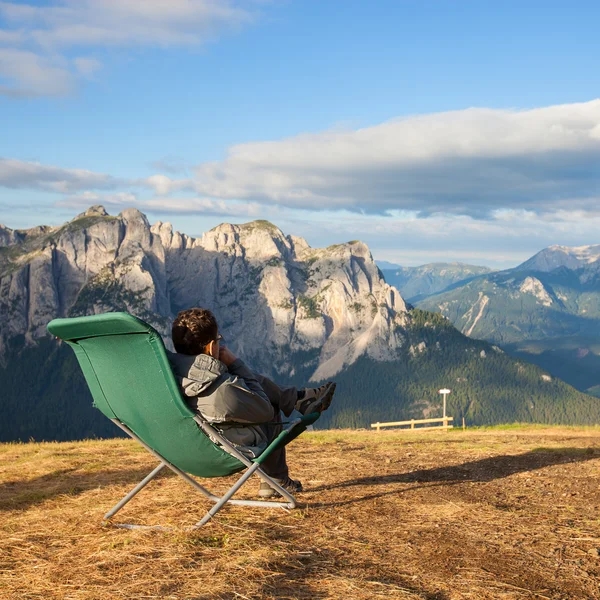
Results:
<point x="261" y="224"/>
<point x="97" y="210"/>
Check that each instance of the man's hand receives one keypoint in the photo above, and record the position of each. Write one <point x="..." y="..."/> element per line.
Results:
<point x="226" y="356"/>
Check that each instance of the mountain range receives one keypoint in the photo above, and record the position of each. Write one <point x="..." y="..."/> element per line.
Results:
<point x="294" y="312"/>
<point x="546" y="310"/>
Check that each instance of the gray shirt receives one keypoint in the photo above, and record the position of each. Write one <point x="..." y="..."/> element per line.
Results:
<point x="229" y="398"/>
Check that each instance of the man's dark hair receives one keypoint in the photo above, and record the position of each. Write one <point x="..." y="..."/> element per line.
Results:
<point x="193" y="329"/>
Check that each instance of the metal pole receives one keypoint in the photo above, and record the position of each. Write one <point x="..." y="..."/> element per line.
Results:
<point x="134" y="491"/>
<point x="173" y="468"/>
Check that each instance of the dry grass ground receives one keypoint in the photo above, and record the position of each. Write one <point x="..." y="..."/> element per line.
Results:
<point x="479" y="514"/>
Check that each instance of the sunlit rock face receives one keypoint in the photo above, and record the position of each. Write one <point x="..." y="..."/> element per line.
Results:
<point x="277" y="299"/>
<point x="280" y="303"/>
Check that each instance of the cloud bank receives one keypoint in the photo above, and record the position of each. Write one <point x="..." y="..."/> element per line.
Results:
<point x="475" y="163"/>
<point x="174" y="206"/>
<point x="18" y="174"/>
<point x="500" y="242"/>
<point x="470" y="162"/>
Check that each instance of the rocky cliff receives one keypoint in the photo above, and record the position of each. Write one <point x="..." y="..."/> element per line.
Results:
<point x="275" y="297"/>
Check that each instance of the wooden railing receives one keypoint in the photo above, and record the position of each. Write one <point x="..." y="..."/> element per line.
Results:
<point x="414" y="422"/>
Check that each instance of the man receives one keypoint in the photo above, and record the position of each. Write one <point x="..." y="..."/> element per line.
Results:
<point x="244" y="406"/>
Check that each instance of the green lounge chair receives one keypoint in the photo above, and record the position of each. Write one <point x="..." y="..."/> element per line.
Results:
<point x="126" y="368"/>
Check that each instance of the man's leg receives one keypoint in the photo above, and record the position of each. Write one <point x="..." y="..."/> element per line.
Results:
<point x="289" y="398"/>
<point x="275" y="464"/>
<point x="283" y="399"/>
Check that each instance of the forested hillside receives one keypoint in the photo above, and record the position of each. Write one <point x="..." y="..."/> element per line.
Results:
<point x="488" y="386"/>
<point x="45" y="397"/>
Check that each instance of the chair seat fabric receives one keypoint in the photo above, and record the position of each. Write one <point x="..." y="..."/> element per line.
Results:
<point x="126" y="367"/>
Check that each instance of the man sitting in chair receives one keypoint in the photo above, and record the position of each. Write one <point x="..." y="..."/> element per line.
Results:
<point x="244" y="406"/>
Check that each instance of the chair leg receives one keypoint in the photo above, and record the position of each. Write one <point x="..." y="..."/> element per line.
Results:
<point x="142" y="484"/>
<point x="219" y="501"/>
<point x="226" y="497"/>
<point x="291" y="501"/>
<point x="173" y="468"/>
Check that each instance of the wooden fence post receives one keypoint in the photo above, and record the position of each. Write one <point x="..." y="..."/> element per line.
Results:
<point x="445" y="424"/>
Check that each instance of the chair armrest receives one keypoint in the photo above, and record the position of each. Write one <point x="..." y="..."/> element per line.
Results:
<point x="294" y="429"/>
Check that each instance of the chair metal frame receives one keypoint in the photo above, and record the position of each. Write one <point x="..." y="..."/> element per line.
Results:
<point x="220" y="501"/>
<point x="201" y="450"/>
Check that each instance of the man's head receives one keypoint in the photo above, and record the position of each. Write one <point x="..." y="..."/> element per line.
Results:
<point x="195" y="331"/>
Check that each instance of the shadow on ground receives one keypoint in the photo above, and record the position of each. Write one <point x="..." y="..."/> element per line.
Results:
<point x="481" y="471"/>
<point x="21" y="494"/>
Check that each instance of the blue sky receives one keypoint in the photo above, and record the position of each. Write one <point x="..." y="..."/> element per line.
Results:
<point x="432" y="130"/>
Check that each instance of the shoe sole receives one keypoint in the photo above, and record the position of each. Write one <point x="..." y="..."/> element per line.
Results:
<point x="275" y="494"/>
<point x="321" y="403"/>
<point x="328" y="396"/>
<point x="271" y="492"/>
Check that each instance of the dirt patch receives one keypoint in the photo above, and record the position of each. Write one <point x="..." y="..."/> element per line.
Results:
<point x="476" y="514"/>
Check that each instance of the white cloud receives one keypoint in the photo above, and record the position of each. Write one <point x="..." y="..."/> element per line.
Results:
<point x="88" y="198"/>
<point x="161" y="183"/>
<point x="18" y="174"/>
<point x="501" y="241"/>
<point x="44" y="34"/>
<point x="175" y="165"/>
<point x="11" y="38"/>
<point x="28" y="74"/>
<point x="203" y="206"/>
<point x="462" y="162"/>
<point x="126" y="22"/>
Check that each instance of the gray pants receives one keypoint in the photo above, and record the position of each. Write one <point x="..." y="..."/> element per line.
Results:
<point x="283" y="400"/>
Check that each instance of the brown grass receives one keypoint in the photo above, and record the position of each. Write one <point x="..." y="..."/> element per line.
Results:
<point x="476" y="514"/>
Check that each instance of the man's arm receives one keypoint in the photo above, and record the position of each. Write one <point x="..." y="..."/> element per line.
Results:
<point x="240" y="397"/>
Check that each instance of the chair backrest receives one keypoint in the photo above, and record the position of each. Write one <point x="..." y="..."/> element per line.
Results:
<point x="127" y="370"/>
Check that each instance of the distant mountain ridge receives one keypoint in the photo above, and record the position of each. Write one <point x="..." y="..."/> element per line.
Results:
<point x="416" y="283"/>
<point x="293" y="312"/>
<point x="554" y="257"/>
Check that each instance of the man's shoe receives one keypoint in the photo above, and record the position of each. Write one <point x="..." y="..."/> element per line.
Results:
<point x="291" y="485"/>
<point x="315" y="399"/>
